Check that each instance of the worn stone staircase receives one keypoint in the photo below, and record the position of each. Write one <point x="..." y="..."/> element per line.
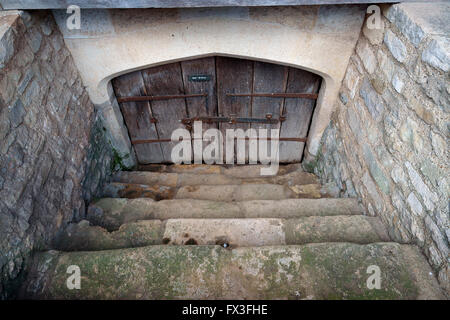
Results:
<point x="212" y="232"/>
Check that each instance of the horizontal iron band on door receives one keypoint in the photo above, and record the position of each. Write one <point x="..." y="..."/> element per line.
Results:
<point x="232" y="119"/>
<point x="275" y="95"/>
<point x="149" y="98"/>
<point x="246" y="138"/>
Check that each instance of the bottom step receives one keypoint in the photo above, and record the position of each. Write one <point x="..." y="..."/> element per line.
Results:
<point x="312" y="271"/>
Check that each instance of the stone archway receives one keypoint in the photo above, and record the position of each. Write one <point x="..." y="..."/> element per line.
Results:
<point x="222" y="93"/>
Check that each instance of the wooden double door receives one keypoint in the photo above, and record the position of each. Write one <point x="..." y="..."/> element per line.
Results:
<point x="224" y="93"/>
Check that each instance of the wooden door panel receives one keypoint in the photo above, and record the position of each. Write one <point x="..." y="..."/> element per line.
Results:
<point x="234" y="76"/>
<point x="160" y="81"/>
<point x="137" y="116"/>
<point x="268" y="78"/>
<point x="298" y="113"/>
<point x="222" y="76"/>
<point x="200" y="106"/>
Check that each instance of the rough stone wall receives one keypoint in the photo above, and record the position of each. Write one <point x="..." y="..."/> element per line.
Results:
<point x="101" y="160"/>
<point x="46" y="141"/>
<point x="387" y="142"/>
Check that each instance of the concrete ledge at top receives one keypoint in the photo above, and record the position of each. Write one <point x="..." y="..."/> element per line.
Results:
<point x="416" y="20"/>
<point x="123" y="4"/>
<point x="425" y="23"/>
<point x="98" y="23"/>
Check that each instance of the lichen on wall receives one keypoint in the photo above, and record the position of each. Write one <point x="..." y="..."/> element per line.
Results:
<point x="49" y="141"/>
<point x="387" y="142"/>
<point x="102" y="161"/>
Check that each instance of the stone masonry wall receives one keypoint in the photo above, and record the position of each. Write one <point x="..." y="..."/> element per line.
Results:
<point x="50" y="137"/>
<point x="387" y="142"/>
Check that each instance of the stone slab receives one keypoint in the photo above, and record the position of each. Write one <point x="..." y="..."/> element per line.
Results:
<point x="313" y="271"/>
<point x="236" y="192"/>
<point x="57" y="4"/>
<point x="111" y="213"/>
<point x="230" y="232"/>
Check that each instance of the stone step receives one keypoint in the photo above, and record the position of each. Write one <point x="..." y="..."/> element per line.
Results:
<point x="236" y="192"/>
<point x="239" y="171"/>
<point x="84" y="237"/>
<point x="230" y="232"/>
<point x="195" y="179"/>
<point x="217" y="192"/>
<point x="111" y="213"/>
<point x="312" y="271"/>
<point x="133" y="191"/>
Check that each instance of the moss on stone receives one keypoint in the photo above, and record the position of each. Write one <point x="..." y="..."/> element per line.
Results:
<point x="317" y="271"/>
<point x="117" y="161"/>
<point x="313" y="165"/>
<point x="309" y="166"/>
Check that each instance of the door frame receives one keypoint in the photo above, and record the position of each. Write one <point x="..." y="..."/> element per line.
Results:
<point x="136" y="91"/>
<point x="321" y="115"/>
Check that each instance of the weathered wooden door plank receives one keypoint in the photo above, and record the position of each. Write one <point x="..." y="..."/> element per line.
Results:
<point x="197" y="107"/>
<point x="166" y="80"/>
<point x="298" y="113"/>
<point x="234" y="76"/>
<point x="204" y="106"/>
<point x="137" y="116"/>
<point x="268" y="77"/>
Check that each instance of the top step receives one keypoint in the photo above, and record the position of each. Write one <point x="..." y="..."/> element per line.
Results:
<point x="238" y="171"/>
<point x="192" y="175"/>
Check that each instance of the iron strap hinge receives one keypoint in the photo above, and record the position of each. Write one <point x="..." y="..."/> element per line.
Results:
<point x="246" y="138"/>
